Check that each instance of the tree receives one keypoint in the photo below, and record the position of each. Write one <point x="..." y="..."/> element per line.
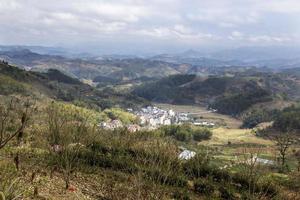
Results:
<point x="14" y="117"/>
<point x="283" y="143"/>
<point x="67" y="132"/>
<point x="251" y="175"/>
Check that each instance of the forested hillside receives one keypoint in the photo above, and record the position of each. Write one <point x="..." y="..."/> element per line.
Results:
<point x="229" y="95"/>
<point x="55" y="84"/>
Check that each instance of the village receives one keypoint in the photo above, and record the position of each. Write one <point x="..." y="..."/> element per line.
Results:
<point x="152" y="117"/>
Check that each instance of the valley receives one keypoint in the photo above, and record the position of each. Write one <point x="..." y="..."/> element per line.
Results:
<point x="149" y="100"/>
<point x="117" y="129"/>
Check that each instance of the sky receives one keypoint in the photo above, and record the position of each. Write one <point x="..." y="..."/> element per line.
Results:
<point x="132" y="26"/>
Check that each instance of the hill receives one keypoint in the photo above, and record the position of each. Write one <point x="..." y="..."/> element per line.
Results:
<point x="228" y="94"/>
<point x="90" y="68"/>
<point x="61" y="152"/>
<point x="275" y="57"/>
<point x="57" y="85"/>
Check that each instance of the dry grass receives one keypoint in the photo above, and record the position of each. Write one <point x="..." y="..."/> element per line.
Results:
<point x="229" y="130"/>
<point x="96" y="184"/>
<point x="222" y="136"/>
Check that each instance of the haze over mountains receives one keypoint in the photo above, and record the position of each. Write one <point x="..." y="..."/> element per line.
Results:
<point x="191" y="77"/>
<point x="129" y="67"/>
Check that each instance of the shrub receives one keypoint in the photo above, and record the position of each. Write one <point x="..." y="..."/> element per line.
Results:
<point x="170" y="130"/>
<point x="10" y="86"/>
<point x="203" y="186"/>
<point x="202" y="134"/>
<point x="197" y="167"/>
<point x="166" y="178"/>
<point x="10" y="186"/>
<point x="186" y="132"/>
<point x="243" y="181"/>
<point x="220" y="175"/>
<point x="288" y="119"/>
<point x="10" y="189"/>
<point x="181" y="195"/>
<point x="227" y="192"/>
<point x="117" y="113"/>
<point x="115" y="162"/>
<point x="256" y="116"/>
<point x="183" y="135"/>
<point x="266" y="188"/>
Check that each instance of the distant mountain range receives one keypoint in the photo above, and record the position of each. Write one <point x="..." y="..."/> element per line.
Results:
<point x="273" y="57"/>
<point x="119" y="69"/>
<point x="129" y="67"/>
<point x="37" y="49"/>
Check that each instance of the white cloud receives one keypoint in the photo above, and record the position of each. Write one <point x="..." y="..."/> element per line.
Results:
<point x="112" y="11"/>
<point x="268" y="39"/>
<point x="177" y="32"/>
<point x="9" y="5"/>
<point x="236" y="35"/>
<point x="221" y="21"/>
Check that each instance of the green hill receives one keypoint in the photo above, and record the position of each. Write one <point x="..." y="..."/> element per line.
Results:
<point x="56" y="85"/>
<point x="229" y="95"/>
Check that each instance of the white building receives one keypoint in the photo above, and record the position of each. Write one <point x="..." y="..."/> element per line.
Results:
<point x="171" y="113"/>
<point x="186" y="155"/>
<point x="167" y="122"/>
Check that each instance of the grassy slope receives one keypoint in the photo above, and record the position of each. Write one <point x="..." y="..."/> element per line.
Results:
<point x="107" y="183"/>
<point x="222" y="136"/>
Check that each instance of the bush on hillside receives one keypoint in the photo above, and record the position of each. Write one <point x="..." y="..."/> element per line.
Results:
<point x="183" y="135"/>
<point x="202" y="134"/>
<point x="288" y="119"/>
<point x="204" y="186"/>
<point x="186" y="132"/>
<point x="227" y="192"/>
<point x="236" y="103"/>
<point x="257" y="116"/>
<point x="181" y="195"/>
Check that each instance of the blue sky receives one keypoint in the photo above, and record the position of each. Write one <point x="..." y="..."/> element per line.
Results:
<point x="149" y="25"/>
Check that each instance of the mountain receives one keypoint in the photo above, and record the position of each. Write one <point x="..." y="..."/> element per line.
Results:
<point x="273" y="57"/>
<point x="59" y="51"/>
<point x="128" y="69"/>
<point x="57" y="85"/>
<point x="228" y="94"/>
<point x="120" y="69"/>
<point x="196" y="59"/>
<point x="250" y="54"/>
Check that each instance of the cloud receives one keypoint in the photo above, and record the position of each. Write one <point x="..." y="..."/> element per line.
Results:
<point x="269" y="39"/>
<point x="178" y="31"/>
<point x="230" y="22"/>
<point x="236" y="35"/>
<point x="111" y="11"/>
